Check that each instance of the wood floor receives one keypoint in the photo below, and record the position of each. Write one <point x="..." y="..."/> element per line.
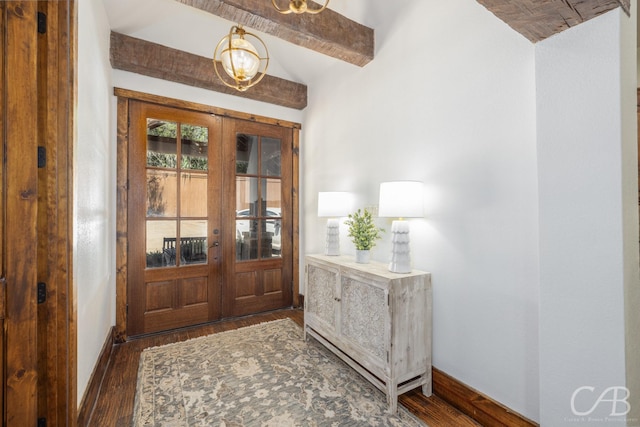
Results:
<point x="114" y="406"/>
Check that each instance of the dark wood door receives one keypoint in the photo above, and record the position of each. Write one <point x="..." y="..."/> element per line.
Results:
<point x="258" y="214"/>
<point x="174" y="217"/>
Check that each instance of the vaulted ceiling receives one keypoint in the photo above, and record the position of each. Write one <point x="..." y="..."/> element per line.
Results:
<point x="174" y="39"/>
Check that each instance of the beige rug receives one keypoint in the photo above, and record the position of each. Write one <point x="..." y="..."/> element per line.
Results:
<point x="262" y="375"/>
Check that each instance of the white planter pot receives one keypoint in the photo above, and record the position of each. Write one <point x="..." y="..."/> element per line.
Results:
<point x="363" y="257"/>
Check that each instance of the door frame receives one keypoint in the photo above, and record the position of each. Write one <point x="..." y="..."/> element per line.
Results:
<point x="124" y="97"/>
<point x="40" y="101"/>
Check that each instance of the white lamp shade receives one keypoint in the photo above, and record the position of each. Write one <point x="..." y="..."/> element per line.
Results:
<point x="401" y="199"/>
<point x="334" y="204"/>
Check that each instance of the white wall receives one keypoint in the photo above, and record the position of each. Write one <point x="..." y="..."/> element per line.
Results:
<point x="458" y="114"/>
<point x="94" y="191"/>
<point x="587" y="153"/>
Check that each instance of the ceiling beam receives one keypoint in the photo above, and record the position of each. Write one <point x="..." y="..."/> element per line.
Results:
<point x="154" y="60"/>
<point x="328" y="32"/>
<point x="537" y="20"/>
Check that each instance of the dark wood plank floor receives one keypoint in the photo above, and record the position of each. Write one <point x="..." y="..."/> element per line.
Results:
<point x="115" y="400"/>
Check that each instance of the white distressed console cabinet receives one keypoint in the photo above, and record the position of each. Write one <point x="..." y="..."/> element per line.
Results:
<point x="376" y="321"/>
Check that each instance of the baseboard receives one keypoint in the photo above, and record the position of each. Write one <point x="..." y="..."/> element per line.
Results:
<point x="474" y="404"/>
<point x="90" y="396"/>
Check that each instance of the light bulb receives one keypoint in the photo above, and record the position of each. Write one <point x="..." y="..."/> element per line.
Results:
<point x="245" y="60"/>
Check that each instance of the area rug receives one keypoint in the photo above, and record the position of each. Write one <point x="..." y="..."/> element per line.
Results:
<point x="263" y="375"/>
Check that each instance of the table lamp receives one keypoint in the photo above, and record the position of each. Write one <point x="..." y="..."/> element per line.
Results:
<point x="334" y="204"/>
<point x="400" y="199"/>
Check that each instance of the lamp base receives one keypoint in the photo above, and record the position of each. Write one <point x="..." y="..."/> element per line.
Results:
<point x="332" y="246"/>
<point x="400" y="253"/>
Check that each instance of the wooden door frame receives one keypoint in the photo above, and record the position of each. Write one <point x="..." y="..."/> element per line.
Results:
<point x="124" y="97"/>
<point x="57" y="104"/>
<point x="19" y="97"/>
<point x="38" y="92"/>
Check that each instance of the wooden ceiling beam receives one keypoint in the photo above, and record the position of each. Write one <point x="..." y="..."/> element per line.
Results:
<point x="328" y="32"/>
<point x="537" y="20"/>
<point x="154" y="60"/>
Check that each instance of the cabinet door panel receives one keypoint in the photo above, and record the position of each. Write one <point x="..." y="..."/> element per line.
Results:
<point x="321" y="294"/>
<point x="364" y="315"/>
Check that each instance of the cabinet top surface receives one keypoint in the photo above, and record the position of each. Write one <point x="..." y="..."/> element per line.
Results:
<point x="376" y="267"/>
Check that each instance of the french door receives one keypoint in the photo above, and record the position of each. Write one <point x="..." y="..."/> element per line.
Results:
<point x="209" y="218"/>
<point x="258" y="248"/>
<point x="174" y="215"/>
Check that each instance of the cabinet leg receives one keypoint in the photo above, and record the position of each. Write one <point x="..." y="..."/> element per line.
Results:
<point x="392" y="397"/>
<point x="427" y="388"/>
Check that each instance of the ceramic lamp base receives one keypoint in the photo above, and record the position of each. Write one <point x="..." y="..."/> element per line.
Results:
<point x="400" y="254"/>
<point x="332" y="246"/>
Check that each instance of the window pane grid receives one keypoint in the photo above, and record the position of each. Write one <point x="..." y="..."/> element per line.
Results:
<point x="177" y="223"/>
<point x="258" y="189"/>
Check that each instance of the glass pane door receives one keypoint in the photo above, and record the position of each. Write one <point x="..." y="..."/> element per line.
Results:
<point x="174" y="171"/>
<point x="259" y="276"/>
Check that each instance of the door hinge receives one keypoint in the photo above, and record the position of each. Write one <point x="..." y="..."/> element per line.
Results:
<point x="42" y="157"/>
<point x="42" y="23"/>
<point x="42" y="422"/>
<point x="42" y="292"/>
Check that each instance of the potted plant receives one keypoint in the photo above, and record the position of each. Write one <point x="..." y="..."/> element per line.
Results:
<point x="363" y="233"/>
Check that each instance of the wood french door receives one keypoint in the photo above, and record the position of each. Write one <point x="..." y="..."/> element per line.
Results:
<point x="209" y="217"/>
<point x="174" y="216"/>
<point x="258" y="249"/>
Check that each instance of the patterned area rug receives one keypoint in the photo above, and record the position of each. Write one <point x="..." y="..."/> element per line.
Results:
<point x="262" y="375"/>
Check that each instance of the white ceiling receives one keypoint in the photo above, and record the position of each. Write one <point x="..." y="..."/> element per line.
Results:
<point x="176" y="25"/>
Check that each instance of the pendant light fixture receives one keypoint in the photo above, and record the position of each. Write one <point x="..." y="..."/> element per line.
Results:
<point x="243" y="64"/>
<point x="298" y="7"/>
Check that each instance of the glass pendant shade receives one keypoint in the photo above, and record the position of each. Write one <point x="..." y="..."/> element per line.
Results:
<point x="244" y="63"/>
<point x="241" y="60"/>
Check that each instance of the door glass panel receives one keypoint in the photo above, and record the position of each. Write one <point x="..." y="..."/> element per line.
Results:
<point x="161" y="193"/>
<point x="271" y="193"/>
<point x="246" y="239"/>
<point x="193" y="194"/>
<point x="270" y="157"/>
<point x="273" y="218"/>
<point x="193" y="242"/>
<point x="161" y="243"/>
<point x="247" y="154"/>
<point x="161" y="143"/>
<point x="195" y="140"/>
<point x="246" y="196"/>
<point x="270" y="244"/>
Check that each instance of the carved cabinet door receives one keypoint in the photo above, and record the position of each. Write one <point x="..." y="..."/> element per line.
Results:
<point x="364" y="317"/>
<point x="322" y="295"/>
